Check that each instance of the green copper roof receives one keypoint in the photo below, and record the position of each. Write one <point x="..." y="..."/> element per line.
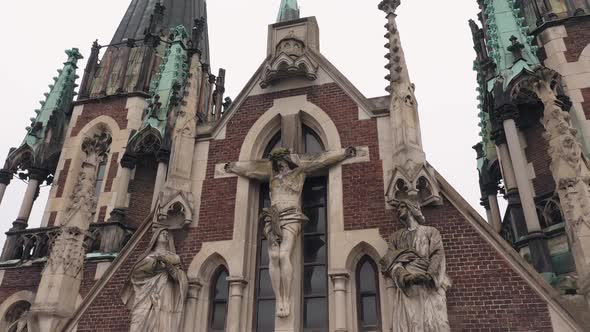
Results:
<point x="508" y="41"/>
<point x="167" y="87"/>
<point x="57" y="103"/>
<point x="288" y="11"/>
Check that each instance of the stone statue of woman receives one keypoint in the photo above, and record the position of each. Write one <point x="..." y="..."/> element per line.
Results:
<point x="156" y="289"/>
<point x="416" y="263"/>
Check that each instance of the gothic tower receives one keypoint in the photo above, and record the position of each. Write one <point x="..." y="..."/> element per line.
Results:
<point x="302" y="205"/>
<point x="533" y="82"/>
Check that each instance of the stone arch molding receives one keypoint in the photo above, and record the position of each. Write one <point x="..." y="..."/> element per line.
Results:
<point x="268" y="124"/>
<point x="27" y="296"/>
<point x="201" y="270"/>
<point x="358" y="252"/>
<point x="102" y="122"/>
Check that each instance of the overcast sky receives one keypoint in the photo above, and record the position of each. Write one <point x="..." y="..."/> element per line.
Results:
<point x="434" y="34"/>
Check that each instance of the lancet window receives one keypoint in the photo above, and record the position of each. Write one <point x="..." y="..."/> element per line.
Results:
<point x="219" y="300"/>
<point x="367" y="288"/>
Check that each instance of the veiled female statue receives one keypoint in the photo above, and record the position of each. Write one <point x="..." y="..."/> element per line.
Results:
<point x="416" y="263"/>
<point x="156" y="289"/>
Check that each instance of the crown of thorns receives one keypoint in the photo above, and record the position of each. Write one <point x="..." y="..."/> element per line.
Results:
<point x="279" y="154"/>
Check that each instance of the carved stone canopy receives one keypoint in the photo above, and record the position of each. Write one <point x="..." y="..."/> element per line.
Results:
<point x="420" y="187"/>
<point x="175" y="209"/>
<point x="291" y="61"/>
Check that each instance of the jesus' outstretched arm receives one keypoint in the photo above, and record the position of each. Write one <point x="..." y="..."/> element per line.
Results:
<point x="327" y="159"/>
<point x="258" y="170"/>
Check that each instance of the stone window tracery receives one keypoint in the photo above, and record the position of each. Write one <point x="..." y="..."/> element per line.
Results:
<point x="219" y="300"/>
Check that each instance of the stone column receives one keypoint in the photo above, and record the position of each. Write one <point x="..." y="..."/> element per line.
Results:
<point x="5" y="177"/>
<point x="163" y="159"/>
<point x="536" y="238"/>
<point x="506" y="163"/>
<point x="495" y="216"/>
<point x="514" y="210"/>
<point x="128" y="163"/>
<point x="234" y="308"/>
<point x="36" y="177"/>
<point x="340" y="282"/>
<point x="190" y="311"/>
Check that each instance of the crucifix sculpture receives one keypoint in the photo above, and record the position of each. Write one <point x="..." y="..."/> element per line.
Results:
<point x="284" y="220"/>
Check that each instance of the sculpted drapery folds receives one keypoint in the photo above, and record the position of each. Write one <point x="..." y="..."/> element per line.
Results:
<point x="156" y="289"/>
<point x="284" y="220"/>
<point x="416" y="263"/>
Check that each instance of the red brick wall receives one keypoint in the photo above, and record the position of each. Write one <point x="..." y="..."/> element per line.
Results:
<point x="536" y="153"/>
<point x="63" y="176"/>
<point x="486" y="295"/>
<point x="141" y="189"/>
<point x="102" y="214"/>
<point x="578" y="37"/>
<point x="52" y="218"/>
<point x="112" y="172"/>
<point x="114" y="108"/>
<point x="19" y="279"/>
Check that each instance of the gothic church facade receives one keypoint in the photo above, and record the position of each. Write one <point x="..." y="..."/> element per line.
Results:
<point x="147" y="144"/>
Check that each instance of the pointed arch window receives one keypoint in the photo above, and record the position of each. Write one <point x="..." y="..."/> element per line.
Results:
<point x="16" y="316"/>
<point x="219" y="300"/>
<point x="367" y="286"/>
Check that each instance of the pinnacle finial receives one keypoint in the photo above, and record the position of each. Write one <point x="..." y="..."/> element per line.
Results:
<point x="288" y="11"/>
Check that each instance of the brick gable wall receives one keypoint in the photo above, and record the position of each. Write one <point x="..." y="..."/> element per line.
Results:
<point x="487" y="294"/>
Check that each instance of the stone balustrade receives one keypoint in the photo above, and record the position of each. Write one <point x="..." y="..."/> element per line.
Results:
<point x="35" y="243"/>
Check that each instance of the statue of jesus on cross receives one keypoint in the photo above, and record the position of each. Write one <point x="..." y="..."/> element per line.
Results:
<point x="284" y="220"/>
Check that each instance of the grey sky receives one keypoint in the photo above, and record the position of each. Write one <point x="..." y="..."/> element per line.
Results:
<point x="435" y="37"/>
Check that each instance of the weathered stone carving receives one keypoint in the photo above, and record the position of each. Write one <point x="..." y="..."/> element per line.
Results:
<point x="156" y="289"/>
<point x="67" y="252"/>
<point x="291" y="61"/>
<point x="411" y="176"/>
<point x="570" y="169"/>
<point x="416" y="263"/>
<point x="284" y="220"/>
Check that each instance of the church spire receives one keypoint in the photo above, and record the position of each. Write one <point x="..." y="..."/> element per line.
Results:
<point x="141" y="14"/>
<point x="288" y="11"/>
